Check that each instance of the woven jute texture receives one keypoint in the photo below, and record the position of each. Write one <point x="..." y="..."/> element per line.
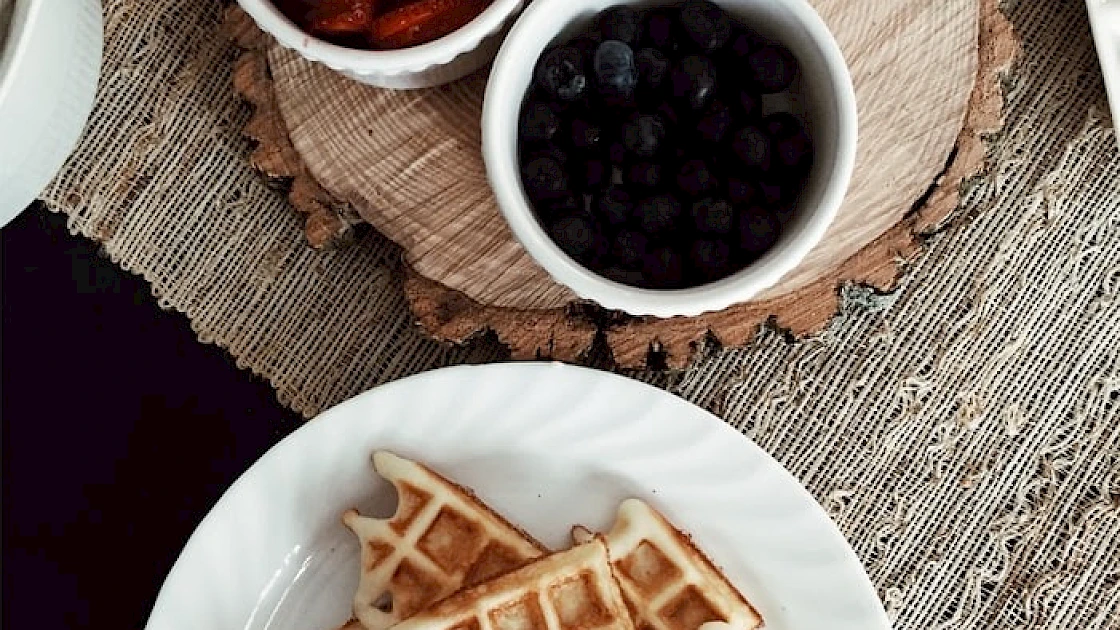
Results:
<point x="963" y="431"/>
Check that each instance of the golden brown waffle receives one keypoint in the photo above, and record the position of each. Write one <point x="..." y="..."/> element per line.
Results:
<point x="441" y="539"/>
<point x="568" y="590"/>
<point x="668" y="583"/>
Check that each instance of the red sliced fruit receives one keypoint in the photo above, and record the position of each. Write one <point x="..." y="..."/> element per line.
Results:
<point x="422" y="21"/>
<point x="342" y="17"/>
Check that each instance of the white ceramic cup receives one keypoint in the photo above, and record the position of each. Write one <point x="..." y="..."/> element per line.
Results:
<point x="823" y="95"/>
<point x="437" y="62"/>
<point x="50" y="60"/>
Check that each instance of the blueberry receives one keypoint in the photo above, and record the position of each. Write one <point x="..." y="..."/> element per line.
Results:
<point x="614" y="207"/>
<point x="758" y="231"/>
<point x="586" y="46"/>
<point x="744" y="43"/>
<point x="630" y="277"/>
<point x="652" y="66"/>
<point x="585" y="134"/>
<point x="695" y="178"/>
<point x="544" y="178"/>
<point x="741" y="191"/>
<point x="667" y="113"/>
<point x="752" y="146"/>
<point x="565" y="205"/>
<point x="750" y="103"/>
<point x="781" y="125"/>
<point x="771" y="192"/>
<point x="643" y="134"/>
<point x="795" y="153"/>
<point x="711" y="259"/>
<point x="658" y="214"/>
<point x="616" y="152"/>
<point x="643" y="175"/>
<point x="616" y="74"/>
<point x="715" y="122"/>
<point x="596" y="174"/>
<point x="663" y="268"/>
<point x="713" y="216"/>
<point x="539" y="122"/>
<point x="532" y="151"/>
<point x="621" y="23"/>
<point x="793" y="149"/>
<point x="773" y="68"/>
<point x="705" y="24"/>
<point x="577" y="235"/>
<point x="659" y="30"/>
<point x="629" y="247"/>
<point x="693" y="81"/>
<point x="562" y="74"/>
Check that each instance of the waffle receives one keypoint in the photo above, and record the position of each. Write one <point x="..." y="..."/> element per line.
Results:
<point x="668" y="583"/>
<point x="441" y="539"/>
<point x="568" y="590"/>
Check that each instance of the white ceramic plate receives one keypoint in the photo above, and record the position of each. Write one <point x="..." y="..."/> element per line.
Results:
<point x="1104" y="15"/>
<point x="546" y="445"/>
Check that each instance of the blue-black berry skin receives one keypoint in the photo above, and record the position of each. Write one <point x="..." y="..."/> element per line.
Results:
<point x="576" y="234"/>
<point x="693" y="81"/>
<point x="544" y="178"/>
<point x="564" y="205"/>
<point x="562" y="74"/>
<point x="773" y="68"/>
<point x="653" y="65"/>
<point x="644" y="175"/>
<point x="663" y="268"/>
<point x="659" y="214"/>
<point x="758" y="231"/>
<point x="539" y="122"/>
<point x="710" y="259"/>
<point x="715" y="123"/>
<point x="596" y="174"/>
<point x="793" y="148"/>
<point x="621" y="23"/>
<point x="622" y="275"/>
<point x="750" y="104"/>
<point x="741" y="190"/>
<point x="614" y="207"/>
<point x="616" y="72"/>
<point x="696" y="179"/>
<point x="752" y="146"/>
<point x="643" y="135"/>
<point x="629" y="247"/>
<point x="713" y="216"/>
<point x="661" y="30"/>
<point x="584" y="134"/>
<point x="742" y="44"/>
<point x="644" y="151"/>
<point x="707" y="26"/>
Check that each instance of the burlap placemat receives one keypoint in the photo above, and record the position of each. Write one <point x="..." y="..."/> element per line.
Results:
<point x="964" y="431"/>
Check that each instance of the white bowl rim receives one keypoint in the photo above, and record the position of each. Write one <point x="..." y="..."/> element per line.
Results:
<point x="383" y="62"/>
<point x="693" y="301"/>
<point x="14" y="47"/>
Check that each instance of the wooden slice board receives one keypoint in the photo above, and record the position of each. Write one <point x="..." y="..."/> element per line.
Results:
<point x="927" y="78"/>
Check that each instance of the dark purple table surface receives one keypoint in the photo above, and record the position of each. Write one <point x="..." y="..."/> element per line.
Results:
<point x="120" y="431"/>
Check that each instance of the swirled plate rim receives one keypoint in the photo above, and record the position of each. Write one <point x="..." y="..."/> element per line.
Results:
<point x="547" y="444"/>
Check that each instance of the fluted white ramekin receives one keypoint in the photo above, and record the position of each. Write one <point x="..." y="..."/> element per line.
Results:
<point x="826" y="95"/>
<point x="441" y="61"/>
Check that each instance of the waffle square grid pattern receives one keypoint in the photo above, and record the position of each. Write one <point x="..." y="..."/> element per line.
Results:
<point x="446" y="561"/>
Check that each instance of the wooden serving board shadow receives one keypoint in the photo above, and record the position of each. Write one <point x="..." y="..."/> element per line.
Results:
<point x="928" y="85"/>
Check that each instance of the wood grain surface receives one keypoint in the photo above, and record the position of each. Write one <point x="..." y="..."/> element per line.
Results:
<point x="408" y="162"/>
